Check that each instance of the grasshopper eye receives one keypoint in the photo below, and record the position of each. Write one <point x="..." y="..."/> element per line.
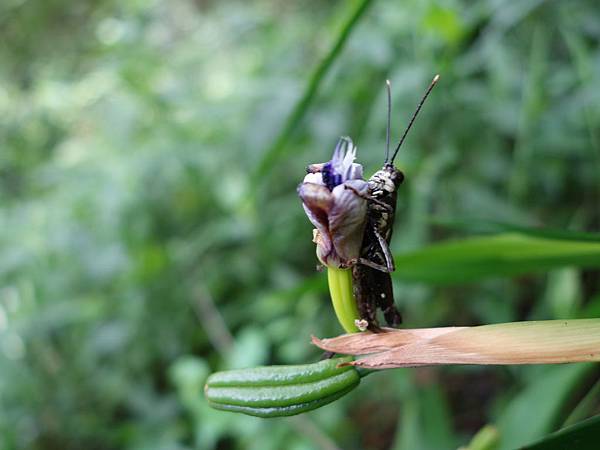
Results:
<point x="399" y="178"/>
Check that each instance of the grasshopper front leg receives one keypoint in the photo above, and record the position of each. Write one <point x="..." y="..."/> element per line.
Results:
<point x="387" y="256"/>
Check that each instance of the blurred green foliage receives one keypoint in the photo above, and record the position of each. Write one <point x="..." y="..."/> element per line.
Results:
<point x="134" y="261"/>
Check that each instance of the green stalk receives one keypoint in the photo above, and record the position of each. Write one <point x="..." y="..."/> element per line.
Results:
<point x="342" y="297"/>
<point x="355" y="12"/>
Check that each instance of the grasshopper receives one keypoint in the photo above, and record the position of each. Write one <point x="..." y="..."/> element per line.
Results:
<point x="372" y="283"/>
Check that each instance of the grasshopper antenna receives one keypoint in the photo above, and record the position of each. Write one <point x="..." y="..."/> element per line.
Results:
<point x="388" y="87"/>
<point x="412" y="120"/>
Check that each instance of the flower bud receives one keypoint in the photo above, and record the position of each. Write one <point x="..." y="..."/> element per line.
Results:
<point x="334" y="198"/>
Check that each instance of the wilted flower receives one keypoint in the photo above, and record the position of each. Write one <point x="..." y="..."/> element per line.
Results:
<point x="334" y="198"/>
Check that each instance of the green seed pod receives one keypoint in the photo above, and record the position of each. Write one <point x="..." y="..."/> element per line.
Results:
<point x="276" y="391"/>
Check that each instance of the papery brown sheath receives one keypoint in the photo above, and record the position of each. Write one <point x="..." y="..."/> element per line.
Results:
<point x="372" y="283"/>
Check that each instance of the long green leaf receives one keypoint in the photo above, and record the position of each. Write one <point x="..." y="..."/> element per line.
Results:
<point x="478" y="226"/>
<point x="507" y="254"/>
<point x="581" y="436"/>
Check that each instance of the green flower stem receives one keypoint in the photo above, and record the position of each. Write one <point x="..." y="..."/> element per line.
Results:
<point x="344" y="303"/>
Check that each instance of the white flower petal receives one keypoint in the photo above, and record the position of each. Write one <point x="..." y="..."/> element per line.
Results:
<point x="314" y="178"/>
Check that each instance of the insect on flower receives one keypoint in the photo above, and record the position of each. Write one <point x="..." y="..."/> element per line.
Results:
<point x="354" y="221"/>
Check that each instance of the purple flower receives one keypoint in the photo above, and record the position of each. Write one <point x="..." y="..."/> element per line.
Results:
<point x="334" y="198"/>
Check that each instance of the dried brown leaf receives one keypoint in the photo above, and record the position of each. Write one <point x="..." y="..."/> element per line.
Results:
<point x="543" y="342"/>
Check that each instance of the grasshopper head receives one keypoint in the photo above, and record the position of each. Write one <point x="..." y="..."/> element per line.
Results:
<point x="386" y="180"/>
<point x="394" y="174"/>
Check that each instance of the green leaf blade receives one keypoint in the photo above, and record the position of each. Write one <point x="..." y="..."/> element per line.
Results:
<point x="510" y="254"/>
<point x="581" y="436"/>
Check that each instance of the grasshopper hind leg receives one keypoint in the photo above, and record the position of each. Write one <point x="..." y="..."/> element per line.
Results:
<point x="380" y="280"/>
<point x="383" y="295"/>
<point x="393" y="317"/>
<point x="363" y="292"/>
<point x="373" y="291"/>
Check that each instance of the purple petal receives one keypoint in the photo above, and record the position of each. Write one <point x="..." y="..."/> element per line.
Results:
<point x="347" y="219"/>
<point x="317" y="200"/>
<point x="354" y="172"/>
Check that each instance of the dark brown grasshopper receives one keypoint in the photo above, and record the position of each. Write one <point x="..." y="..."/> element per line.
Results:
<point x="372" y="283"/>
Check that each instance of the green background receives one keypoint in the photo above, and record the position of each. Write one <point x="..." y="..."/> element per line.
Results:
<point x="150" y="231"/>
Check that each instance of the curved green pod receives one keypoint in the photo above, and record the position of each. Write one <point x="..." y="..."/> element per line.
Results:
<point x="281" y="390"/>
<point x="278" y="375"/>
<point x="282" y="411"/>
<point x="268" y="396"/>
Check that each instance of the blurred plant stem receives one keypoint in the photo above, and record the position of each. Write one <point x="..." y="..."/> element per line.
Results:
<point x="212" y="321"/>
<point x="355" y="12"/>
<point x="533" y="95"/>
<point x="579" y="53"/>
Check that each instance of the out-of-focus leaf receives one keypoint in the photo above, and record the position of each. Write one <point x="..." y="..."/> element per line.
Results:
<point x="534" y="411"/>
<point x="425" y="422"/>
<point x="563" y="292"/>
<point x="513" y="254"/>
<point x="585" y="407"/>
<point x="581" y="436"/>
<point x="492" y="227"/>
<point x="486" y="439"/>
<point x="250" y="348"/>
